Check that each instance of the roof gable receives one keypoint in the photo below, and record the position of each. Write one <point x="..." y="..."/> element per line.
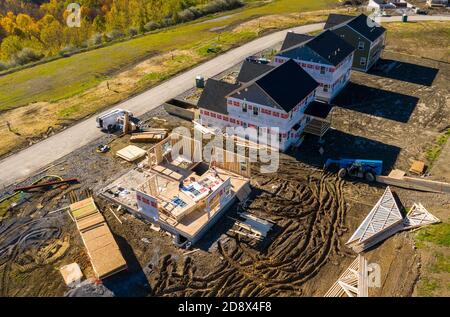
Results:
<point x="336" y="19"/>
<point x="250" y="71"/>
<point x="214" y="95"/>
<point x="287" y="85"/>
<point x="367" y="27"/>
<point x="282" y="88"/>
<point x="326" y="48"/>
<point x="254" y="93"/>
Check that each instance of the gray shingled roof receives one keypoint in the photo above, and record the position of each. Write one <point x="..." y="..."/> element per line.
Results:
<point x="336" y="19"/>
<point x="282" y="88"/>
<point x="294" y="39"/>
<point x="325" y="48"/>
<point x="214" y="95"/>
<point x="359" y="23"/>
<point x="371" y="30"/>
<point x="251" y="70"/>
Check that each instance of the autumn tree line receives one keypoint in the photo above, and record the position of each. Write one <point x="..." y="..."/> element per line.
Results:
<point x="32" y="30"/>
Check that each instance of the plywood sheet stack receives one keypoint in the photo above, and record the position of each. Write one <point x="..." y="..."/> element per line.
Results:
<point x="100" y="244"/>
<point x="131" y="153"/>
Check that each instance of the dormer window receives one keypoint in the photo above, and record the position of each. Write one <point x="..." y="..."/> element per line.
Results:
<point x="360" y="45"/>
<point x="322" y="70"/>
<point x="244" y="107"/>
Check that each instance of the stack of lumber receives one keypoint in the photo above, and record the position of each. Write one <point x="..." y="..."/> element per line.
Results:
<point x="252" y="227"/>
<point x="384" y="220"/>
<point x="131" y="153"/>
<point x="100" y="244"/>
<point x="151" y="135"/>
<point x="353" y="282"/>
<point x="398" y="178"/>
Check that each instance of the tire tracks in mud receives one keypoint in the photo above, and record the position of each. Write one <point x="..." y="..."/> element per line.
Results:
<point x="310" y="215"/>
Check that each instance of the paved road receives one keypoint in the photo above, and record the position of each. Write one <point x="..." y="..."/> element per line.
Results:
<point x="28" y="161"/>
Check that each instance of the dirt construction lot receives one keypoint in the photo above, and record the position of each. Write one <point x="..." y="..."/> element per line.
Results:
<point x="395" y="113"/>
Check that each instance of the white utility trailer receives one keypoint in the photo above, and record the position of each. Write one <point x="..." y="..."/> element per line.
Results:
<point x="112" y="120"/>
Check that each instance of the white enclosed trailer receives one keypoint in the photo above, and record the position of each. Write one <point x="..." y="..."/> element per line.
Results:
<point x="112" y="120"/>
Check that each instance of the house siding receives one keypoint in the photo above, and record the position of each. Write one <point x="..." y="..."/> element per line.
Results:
<point x="267" y="117"/>
<point x="334" y="77"/>
<point x="353" y="38"/>
<point x="371" y="52"/>
<point x="376" y="50"/>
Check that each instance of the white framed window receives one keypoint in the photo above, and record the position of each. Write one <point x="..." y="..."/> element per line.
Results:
<point x="326" y="88"/>
<point x="363" y="61"/>
<point x="322" y="70"/>
<point x="244" y="107"/>
<point x="361" y="45"/>
<point x="255" y="111"/>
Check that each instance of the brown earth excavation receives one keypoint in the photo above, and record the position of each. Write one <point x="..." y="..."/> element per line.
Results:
<point x="378" y="116"/>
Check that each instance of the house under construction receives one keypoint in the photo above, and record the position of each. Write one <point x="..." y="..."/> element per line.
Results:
<point x="183" y="197"/>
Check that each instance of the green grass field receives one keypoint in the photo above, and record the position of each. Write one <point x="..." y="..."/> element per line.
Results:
<point x="66" y="77"/>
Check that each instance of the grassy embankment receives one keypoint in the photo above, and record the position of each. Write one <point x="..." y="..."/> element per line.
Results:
<point x="433" y="243"/>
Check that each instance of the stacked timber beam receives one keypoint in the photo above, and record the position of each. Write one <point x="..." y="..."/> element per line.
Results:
<point x="398" y="178"/>
<point x="151" y="135"/>
<point x="353" y="282"/>
<point x="100" y="244"/>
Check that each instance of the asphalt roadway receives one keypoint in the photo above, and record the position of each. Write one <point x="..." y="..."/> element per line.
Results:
<point x="25" y="163"/>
